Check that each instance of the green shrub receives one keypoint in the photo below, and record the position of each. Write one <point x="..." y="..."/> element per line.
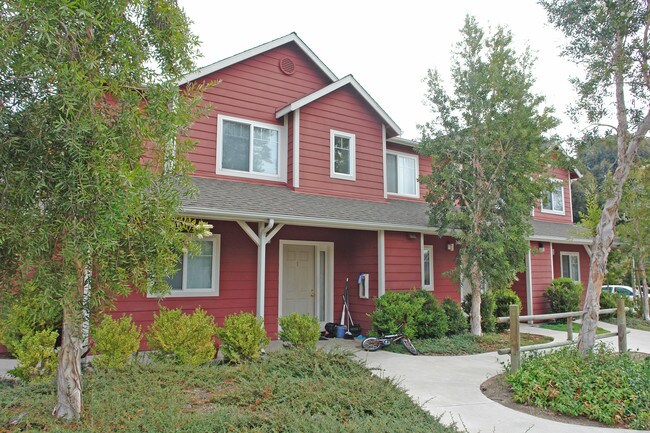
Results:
<point x="564" y="295"/>
<point x="300" y="330"/>
<point x="115" y="341"/>
<point x="37" y="356"/>
<point x="503" y="298"/>
<point x="423" y="315"/>
<point x="182" y="338"/>
<point x="431" y="320"/>
<point x="607" y="300"/>
<point x="29" y="312"/>
<point x="488" y="320"/>
<point x="242" y="337"/>
<point x="456" y="320"/>
<point x="603" y="386"/>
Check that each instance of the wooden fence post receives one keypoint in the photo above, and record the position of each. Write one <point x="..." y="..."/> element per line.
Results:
<point x="515" y="343"/>
<point x="569" y="328"/>
<point x="622" y="325"/>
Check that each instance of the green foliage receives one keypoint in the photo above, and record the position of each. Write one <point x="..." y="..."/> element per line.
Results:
<point x="503" y="298"/>
<point x="37" y="356"/>
<point x="242" y="337"/>
<point x="456" y="320"/>
<point x="286" y="391"/>
<point x="564" y="295"/>
<point x="301" y="330"/>
<point x="602" y="385"/>
<point x="423" y="315"/>
<point x="488" y="319"/>
<point x="115" y="341"/>
<point x="31" y="311"/>
<point x="182" y="338"/>
<point x="484" y="134"/>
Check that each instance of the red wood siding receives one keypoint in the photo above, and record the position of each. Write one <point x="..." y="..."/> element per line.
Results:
<point x="403" y="261"/>
<point x="560" y="174"/>
<point x="253" y="89"/>
<point x="344" y="111"/>
<point x="443" y="262"/>
<point x="519" y="286"/>
<point x="540" y="264"/>
<point x="362" y="258"/>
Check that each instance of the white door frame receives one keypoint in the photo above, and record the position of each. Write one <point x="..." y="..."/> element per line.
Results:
<point x="328" y="248"/>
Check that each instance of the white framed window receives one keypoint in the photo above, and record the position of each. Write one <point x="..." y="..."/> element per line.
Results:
<point x="570" y="265"/>
<point x="553" y="202"/>
<point x="247" y="148"/>
<point x="198" y="274"/>
<point x="427" y="267"/>
<point x="402" y="174"/>
<point x="342" y="155"/>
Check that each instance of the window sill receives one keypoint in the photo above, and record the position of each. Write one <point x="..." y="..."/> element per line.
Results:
<point x="185" y="294"/>
<point x="553" y="212"/>
<point x="248" y="175"/>
<point x="349" y="177"/>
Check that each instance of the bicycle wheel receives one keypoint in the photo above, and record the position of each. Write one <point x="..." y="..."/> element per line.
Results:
<point x="408" y="345"/>
<point x="371" y="344"/>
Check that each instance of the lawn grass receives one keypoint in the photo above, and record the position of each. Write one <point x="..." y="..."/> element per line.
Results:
<point x="468" y="344"/>
<point x="576" y="327"/>
<point x="632" y="322"/>
<point x="289" y="390"/>
<point x="604" y="386"/>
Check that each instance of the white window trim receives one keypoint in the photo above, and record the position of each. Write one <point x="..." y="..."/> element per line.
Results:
<point x="214" y="290"/>
<point x="417" y="174"/>
<point x="282" y="150"/>
<point x="555" y="212"/>
<point x="353" y="158"/>
<point x="569" y="254"/>
<point x="429" y="248"/>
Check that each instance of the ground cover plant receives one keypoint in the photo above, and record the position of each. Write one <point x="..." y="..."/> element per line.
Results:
<point x="468" y="344"/>
<point x="289" y="390"/>
<point x="604" y="386"/>
<point x="631" y="322"/>
<point x="561" y="326"/>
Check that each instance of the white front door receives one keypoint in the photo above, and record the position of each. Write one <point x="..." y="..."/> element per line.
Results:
<point x="299" y="280"/>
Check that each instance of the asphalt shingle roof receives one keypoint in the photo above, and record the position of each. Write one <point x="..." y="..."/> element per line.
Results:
<point x="224" y="199"/>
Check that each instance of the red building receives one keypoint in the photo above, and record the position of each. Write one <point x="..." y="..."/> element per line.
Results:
<point x="307" y="183"/>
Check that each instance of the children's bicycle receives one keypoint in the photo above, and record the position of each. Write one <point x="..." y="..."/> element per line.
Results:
<point x="372" y="344"/>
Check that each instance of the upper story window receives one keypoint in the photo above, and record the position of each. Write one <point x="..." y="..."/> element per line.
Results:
<point x="554" y="200"/>
<point x="401" y="174"/>
<point x="249" y="149"/>
<point x="198" y="274"/>
<point x="342" y="155"/>
<point x="570" y="265"/>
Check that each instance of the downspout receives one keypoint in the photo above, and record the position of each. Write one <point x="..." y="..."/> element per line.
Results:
<point x="261" y="265"/>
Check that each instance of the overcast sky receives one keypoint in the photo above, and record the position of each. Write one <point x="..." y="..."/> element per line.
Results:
<point x="387" y="45"/>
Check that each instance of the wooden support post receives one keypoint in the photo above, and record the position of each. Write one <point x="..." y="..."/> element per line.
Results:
<point x="515" y="342"/>
<point x="569" y="328"/>
<point x="622" y="325"/>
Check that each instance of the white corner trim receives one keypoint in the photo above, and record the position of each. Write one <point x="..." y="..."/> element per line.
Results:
<point x="349" y="79"/>
<point x="229" y="61"/>
<point x="550" y="247"/>
<point x="383" y="158"/>
<point x="296" y="148"/>
<point x="529" y="283"/>
<point x="381" y="263"/>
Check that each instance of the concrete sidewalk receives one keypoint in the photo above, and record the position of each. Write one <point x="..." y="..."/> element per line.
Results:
<point x="449" y="386"/>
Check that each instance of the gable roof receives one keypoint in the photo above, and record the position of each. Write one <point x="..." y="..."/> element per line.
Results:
<point x="291" y="37"/>
<point x="349" y="79"/>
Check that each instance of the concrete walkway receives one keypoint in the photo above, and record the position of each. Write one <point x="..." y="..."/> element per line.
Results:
<point x="449" y="386"/>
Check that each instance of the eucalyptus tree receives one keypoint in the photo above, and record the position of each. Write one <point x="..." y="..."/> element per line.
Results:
<point x="610" y="40"/>
<point x="489" y="158"/>
<point x="91" y="167"/>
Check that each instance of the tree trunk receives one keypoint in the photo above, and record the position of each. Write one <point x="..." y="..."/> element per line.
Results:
<point x="68" y="373"/>
<point x="644" y="293"/>
<point x="475" y="314"/>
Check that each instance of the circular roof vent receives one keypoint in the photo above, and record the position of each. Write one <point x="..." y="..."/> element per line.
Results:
<point x="287" y="66"/>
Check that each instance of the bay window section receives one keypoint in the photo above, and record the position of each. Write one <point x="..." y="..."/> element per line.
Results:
<point x="570" y="266"/>
<point x="553" y="202"/>
<point x="198" y="274"/>
<point x="401" y="174"/>
<point x="342" y="155"/>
